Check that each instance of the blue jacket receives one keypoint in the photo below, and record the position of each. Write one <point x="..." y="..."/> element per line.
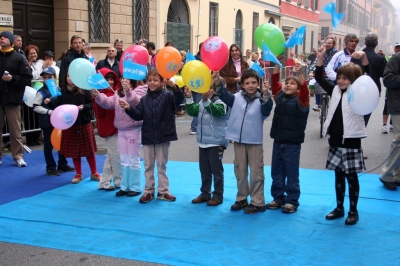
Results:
<point x="104" y="63"/>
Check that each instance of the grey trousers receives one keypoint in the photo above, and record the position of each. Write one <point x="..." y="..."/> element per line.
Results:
<point x="156" y="153"/>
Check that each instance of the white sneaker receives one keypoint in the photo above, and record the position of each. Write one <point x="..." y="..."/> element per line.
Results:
<point x="391" y="128"/>
<point x="20" y="163"/>
<point x="384" y="129"/>
<point x="192" y="132"/>
<point x="316" y="108"/>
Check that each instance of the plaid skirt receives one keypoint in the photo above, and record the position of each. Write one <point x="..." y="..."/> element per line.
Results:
<point x="349" y="161"/>
<point x="78" y="141"/>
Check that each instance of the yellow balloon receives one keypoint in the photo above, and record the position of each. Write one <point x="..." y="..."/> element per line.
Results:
<point x="196" y="76"/>
<point x="179" y="81"/>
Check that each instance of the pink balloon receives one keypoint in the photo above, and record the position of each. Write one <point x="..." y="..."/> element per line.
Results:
<point x="214" y="53"/>
<point x="64" y="116"/>
<point x="137" y="53"/>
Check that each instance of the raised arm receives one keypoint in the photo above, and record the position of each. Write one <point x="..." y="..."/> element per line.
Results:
<point x="219" y="86"/>
<point x="319" y="71"/>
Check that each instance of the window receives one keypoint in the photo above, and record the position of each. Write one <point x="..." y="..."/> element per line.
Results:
<point x="99" y="21"/>
<point x="304" y="41"/>
<point x="140" y="20"/>
<point x="312" y="41"/>
<point x="299" y="2"/>
<point x="314" y="5"/>
<point x="238" y="31"/>
<point x="324" y="32"/>
<point x="256" y="17"/>
<point x="349" y="12"/>
<point x="306" y="3"/>
<point x="340" y="6"/>
<point x="213" y="27"/>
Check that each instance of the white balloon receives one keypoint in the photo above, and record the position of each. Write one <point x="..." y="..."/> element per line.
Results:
<point x="363" y="95"/>
<point x="29" y="96"/>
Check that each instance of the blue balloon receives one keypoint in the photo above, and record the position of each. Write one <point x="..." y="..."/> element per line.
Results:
<point x="79" y="70"/>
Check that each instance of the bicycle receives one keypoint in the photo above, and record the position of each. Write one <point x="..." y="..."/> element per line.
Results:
<point x="324" y="106"/>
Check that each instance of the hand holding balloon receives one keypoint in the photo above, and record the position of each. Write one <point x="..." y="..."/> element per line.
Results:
<point x="47" y="101"/>
<point x="207" y="95"/>
<point x="95" y="93"/>
<point x="124" y="105"/>
<point x="187" y="92"/>
<point x="265" y="88"/>
<point x="80" y="107"/>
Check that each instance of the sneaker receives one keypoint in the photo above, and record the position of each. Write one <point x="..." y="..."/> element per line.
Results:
<point x="273" y="205"/>
<point x="65" y="169"/>
<point x="52" y="172"/>
<point x="166" y="197"/>
<point x="289" y="208"/>
<point x="391" y="128"/>
<point x="192" y="132"/>
<point x="146" y="197"/>
<point x="20" y="163"/>
<point x="95" y="177"/>
<point x="251" y="209"/>
<point x="133" y="193"/>
<point x="200" y="199"/>
<point x="107" y="187"/>
<point x="316" y="108"/>
<point x="239" y="205"/>
<point x="77" y="179"/>
<point x="214" y="202"/>
<point x="384" y="129"/>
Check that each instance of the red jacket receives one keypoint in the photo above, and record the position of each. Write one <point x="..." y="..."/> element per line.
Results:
<point x="104" y="117"/>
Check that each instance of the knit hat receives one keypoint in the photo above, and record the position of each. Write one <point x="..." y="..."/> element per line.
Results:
<point x="9" y="35"/>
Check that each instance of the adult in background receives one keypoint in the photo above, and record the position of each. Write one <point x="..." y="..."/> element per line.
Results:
<point x="119" y="45"/>
<point x="377" y="63"/>
<point x="233" y="69"/>
<point x="248" y="56"/>
<point x="87" y="48"/>
<point x="151" y="48"/>
<point x="18" y="44"/>
<point x="31" y="54"/>
<point x="390" y="176"/>
<point x="110" y="61"/>
<point x="198" y="56"/>
<point x="75" y="51"/>
<point x="312" y="56"/>
<point x="169" y="44"/>
<point x="12" y="87"/>
<point x="49" y="62"/>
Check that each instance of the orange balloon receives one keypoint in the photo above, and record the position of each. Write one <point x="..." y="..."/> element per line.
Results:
<point x="168" y="62"/>
<point x="56" y="138"/>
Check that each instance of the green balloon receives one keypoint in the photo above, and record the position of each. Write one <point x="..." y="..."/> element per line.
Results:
<point x="272" y="36"/>
<point x="38" y="85"/>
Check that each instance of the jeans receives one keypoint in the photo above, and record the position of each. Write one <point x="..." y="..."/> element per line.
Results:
<point x="285" y="173"/>
<point x="196" y="99"/>
<point x="317" y="99"/>
<point x="210" y="162"/>
<point x="48" y="152"/>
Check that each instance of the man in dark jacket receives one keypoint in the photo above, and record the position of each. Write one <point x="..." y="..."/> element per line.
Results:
<point x="390" y="176"/>
<point x="119" y="45"/>
<point x="75" y="51"/>
<point x="110" y="61"/>
<point x="377" y="63"/>
<point x="16" y="74"/>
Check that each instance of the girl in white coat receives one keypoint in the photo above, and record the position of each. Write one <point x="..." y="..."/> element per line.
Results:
<point x="346" y="129"/>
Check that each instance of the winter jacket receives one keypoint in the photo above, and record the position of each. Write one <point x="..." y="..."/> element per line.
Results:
<point x="157" y="110"/>
<point x="105" y="64"/>
<point x="338" y="60"/>
<point x="104" y="117"/>
<point x="43" y="110"/>
<point x="391" y="80"/>
<point x="122" y="121"/>
<point x="66" y="61"/>
<point x="11" y="93"/>
<point x="228" y="73"/>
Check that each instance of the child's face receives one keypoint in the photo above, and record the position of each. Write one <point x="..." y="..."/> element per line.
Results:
<point x="291" y="87"/>
<point x="110" y="81"/>
<point x="343" y="82"/>
<point x="154" y="82"/>
<point x="47" y="76"/>
<point x="69" y="82"/>
<point x="250" y="85"/>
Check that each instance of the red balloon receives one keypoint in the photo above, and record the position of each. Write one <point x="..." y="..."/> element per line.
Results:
<point x="214" y="53"/>
<point x="137" y="53"/>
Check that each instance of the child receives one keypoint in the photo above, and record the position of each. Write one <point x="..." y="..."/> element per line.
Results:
<point x="129" y="134"/>
<point x="78" y="140"/>
<point x="250" y="107"/>
<point x="157" y="110"/>
<point x="212" y="119"/>
<point x="287" y="130"/>
<point x="107" y="130"/>
<point x="346" y="129"/>
<point x="44" y="113"/>
<point x="311" y="83"/>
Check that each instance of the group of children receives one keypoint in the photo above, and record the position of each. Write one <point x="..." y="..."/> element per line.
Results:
<point x="144" y="115"/>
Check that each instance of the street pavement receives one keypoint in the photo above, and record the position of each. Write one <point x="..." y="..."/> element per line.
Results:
<point x="313" y="155"/>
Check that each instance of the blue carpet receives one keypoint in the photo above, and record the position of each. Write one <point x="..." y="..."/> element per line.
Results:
<point x="83" y="219"/>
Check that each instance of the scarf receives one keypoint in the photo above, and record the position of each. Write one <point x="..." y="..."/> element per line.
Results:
<point x="238" y="66"/>
<point x="6" y="51"/>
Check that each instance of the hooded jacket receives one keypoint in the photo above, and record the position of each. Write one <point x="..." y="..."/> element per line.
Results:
<point x="104" y="117"/>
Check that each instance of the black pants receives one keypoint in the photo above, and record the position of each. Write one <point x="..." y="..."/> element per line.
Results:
<point x="48" y="152"/>
<point x="340" y="186"/>
<point x="210" y="160"/>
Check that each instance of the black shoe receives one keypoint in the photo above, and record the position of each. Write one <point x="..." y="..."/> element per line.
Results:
<point x="352" y="218"/>
<point x="336" y="213"/>
<point x="121" y="193"/>
<point x="251" y="209"/>
<point x="52" y="172"/>
<point x="389" y="185"/>
<point x="132" y="193"/>
<point x="66" y="169"/>
<point x="239" y="205"/>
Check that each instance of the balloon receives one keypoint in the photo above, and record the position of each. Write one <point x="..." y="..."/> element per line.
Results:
<point x="64" y="116"/>
<point x="168" y="62"/>
<point x="56" y="138"/>
<point x="79" y="70"/>
<point x="197" y="77"/>
<point x="38" y="85"/>
<point x="135" y="53"/>
<point x="363" y="95"/>
<point x="29" y="96"/>
<point x="178" y="81"/>
<point x="214" y="53"/>
<point x="272" y="36"/>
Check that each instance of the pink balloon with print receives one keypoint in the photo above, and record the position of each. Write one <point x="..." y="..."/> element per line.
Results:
<point x="64" y="116"/>
<point x="214" y="53"/>
<point x="135" y="53"/>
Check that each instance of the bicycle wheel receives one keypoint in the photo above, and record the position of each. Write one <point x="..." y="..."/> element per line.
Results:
<point x="323" y="113"/>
